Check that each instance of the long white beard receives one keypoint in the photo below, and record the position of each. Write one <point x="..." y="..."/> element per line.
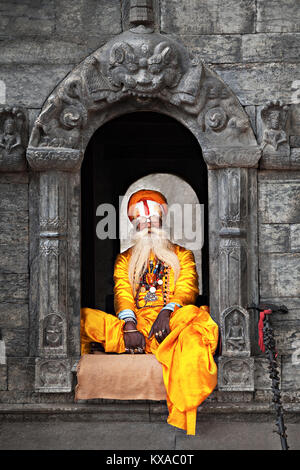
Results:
<point x="144" y="242"/>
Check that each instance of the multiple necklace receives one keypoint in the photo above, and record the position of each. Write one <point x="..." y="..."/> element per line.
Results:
<point x="155" y="277"/>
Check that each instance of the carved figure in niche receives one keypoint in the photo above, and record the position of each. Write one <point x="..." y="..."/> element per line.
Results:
<point x="274" y="116"/>
<point x="156" y="287"/>
<point x="11" y="128"/>
<point x="142" y="70"/>
<point x="53" y="331"/>
<point x="53" y="373"/>
<point x="236" y="372"/>
<point x="235" y="338"/>
<point x="10" y="139"/>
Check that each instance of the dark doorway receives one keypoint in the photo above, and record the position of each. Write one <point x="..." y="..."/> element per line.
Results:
<point x="119" y="153"/>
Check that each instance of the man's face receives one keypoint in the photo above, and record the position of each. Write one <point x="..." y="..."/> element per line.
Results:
<point x="147" y="222"/>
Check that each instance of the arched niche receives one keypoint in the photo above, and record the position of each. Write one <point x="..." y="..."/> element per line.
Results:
<point x="148" y="149"/>
<point x="139" y="70"/>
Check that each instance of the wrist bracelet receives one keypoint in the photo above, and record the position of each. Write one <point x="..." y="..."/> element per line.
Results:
<point x="129" y="331"/>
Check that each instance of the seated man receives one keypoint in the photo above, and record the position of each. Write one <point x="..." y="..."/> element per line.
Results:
<point x="155" y="289"/>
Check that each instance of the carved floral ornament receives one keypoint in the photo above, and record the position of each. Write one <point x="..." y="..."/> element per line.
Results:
<point x="150" y="71"/>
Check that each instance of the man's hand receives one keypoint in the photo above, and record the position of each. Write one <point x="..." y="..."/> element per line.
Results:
<point x="161" y="326"/>
<point x="135" y="342"/>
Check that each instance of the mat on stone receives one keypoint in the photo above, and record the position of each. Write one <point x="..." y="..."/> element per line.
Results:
<point x="120" y="377"/>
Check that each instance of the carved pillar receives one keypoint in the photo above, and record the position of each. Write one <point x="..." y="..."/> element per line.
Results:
<point x="233" y="276"/>
<point x="51" y="302"/>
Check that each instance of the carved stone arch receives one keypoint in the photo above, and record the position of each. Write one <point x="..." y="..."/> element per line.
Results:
<point x="139" y="70"/>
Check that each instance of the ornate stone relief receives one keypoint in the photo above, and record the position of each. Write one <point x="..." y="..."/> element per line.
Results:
<point x="53" y="375"/>
<point x="275" y="139"/>
<point x="274" y="136"/>
<point x="235" y="332"/>
<point x="144" y="67"/>
<point x="236" y="368"/>
<point x="237" y="374"/>
<point x="13" y="138"/>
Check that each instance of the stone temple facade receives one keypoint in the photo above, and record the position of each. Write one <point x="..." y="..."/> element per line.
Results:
<point x="228" y="71"/>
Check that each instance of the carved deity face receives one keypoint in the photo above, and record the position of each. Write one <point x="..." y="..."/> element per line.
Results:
<point x="143" y="71"/>
<point x="9" y="126"/>
<point x="235" y="319"/>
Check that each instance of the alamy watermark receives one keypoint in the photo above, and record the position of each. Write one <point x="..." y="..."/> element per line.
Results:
<point x="182" y="222"/>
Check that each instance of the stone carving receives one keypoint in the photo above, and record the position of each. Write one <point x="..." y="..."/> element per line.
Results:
<point x="216" y="119"/>
<point x="236" y="374"/>
<point x="43" y="159"/>
<point x="144" y="67"/>
<point x="140" y="11"/>
<point x="274" y="117"/>
<point x="53" y="331"/>
<point x="62" y="118"/>
<point x="49" y="248"/>
<point x="235" y="336"/>
<point x="236" y="368"/>
<point x="13" y="138"/>
<point x="235" y="332"/>
<point x="53" y="375"/>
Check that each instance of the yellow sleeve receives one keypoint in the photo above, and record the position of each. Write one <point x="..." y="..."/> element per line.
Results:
<point x="186" y="288"/>
<point x="123" y="296"/>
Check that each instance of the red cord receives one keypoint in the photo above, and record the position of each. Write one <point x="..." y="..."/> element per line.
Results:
<point x="260" y="329"/>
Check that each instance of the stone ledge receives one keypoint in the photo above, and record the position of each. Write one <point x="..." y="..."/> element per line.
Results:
<point x="147" y="412"/>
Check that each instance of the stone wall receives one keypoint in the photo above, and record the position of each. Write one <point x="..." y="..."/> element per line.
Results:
<point x="252" y="44"/>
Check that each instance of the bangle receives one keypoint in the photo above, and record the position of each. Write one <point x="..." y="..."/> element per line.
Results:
<point x="129" y="331"/>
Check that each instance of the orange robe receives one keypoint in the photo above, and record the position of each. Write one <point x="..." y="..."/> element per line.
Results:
<point x="186" y="354"/>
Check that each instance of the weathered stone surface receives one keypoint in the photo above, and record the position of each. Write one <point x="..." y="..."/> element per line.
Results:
<point x="30" y="85"/>
<point x="279" y="201"/>
<point x="3" y="377"/>
<point x="51" y="50"/>
<point x="295" y="141"/>
<point x="287" y="337"/>
<point x="88" y="17"/>
<point x="27" y="17"/>
<point x="14" y="258"/>
<point x="16" y="342"/>
<point x="18" y="177"/>
<point x="260" y="83"/>
<point x="274" y="238"/>
<point x="290" y="374"/>
<point x="14" y="230"/>
<point x="270" y="47"/>
<point x="13" y="287"/>
<point x="214" y="49"/>
<point x="295" y="237"/>
<point x="21" y="373"/>
<point x="13" y="315"/>
<point x="280" y="274"/>
<point x="262" y="379"/>
<point x="278" y="16"/>
<point x="208" y="17"/>
<point x="154" y="14"/>
<point x="14" y="198"/>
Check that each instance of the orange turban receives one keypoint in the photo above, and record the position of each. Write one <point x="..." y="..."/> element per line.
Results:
<point x="145" y="195"/>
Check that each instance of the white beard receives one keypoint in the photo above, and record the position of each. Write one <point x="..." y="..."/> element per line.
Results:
<point x="144" y="242"/>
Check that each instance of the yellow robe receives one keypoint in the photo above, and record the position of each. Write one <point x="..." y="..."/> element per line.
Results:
<point x="186" y="354"/>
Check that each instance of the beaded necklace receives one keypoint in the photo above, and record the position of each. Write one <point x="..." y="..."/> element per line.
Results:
<point x="154" y="277"/>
